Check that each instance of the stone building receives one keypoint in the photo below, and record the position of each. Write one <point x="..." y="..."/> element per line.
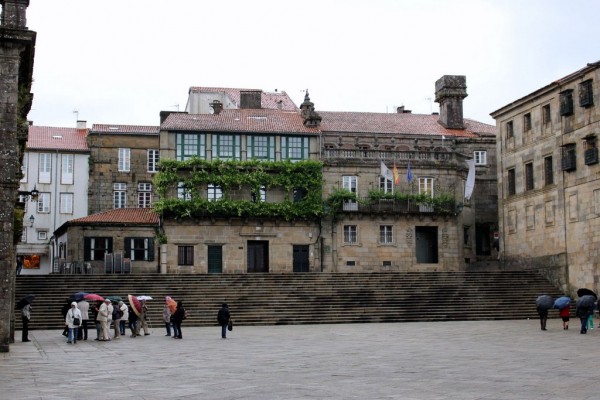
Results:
<point x="17" y="45"/>
<point x="55" y="164"/>
<point x="548" y="179"/>
<point x="123" y="162"/>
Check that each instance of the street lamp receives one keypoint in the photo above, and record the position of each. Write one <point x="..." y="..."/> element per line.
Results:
<point x="33" y="194"/>
<point x="31" y="220"/>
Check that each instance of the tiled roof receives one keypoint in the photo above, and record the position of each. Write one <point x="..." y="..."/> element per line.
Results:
<point x="53" y="138"/>
<point x="135" y="216"/>
<point x="124" y="129"/>
<point x="240" y="120"/>
<point x="410" y="124"/>
<point x="271" y="100"/>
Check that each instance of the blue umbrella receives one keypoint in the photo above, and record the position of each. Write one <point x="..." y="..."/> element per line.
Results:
<point x="78" y="296"/>
<point x="562" y="302"/>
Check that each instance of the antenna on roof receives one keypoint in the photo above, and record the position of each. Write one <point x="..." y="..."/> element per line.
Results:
<point x="76" y="112"/>
<point x="429" y="100"/>
<point x="176" y="105"/>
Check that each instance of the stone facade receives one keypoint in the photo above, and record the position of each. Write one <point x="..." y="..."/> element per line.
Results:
<point x="549" y="193"/>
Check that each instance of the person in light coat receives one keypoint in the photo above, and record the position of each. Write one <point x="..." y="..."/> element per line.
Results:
<point x="103" y="318"/>
<point x="123" y="307"/>
<point x="72" y="314"/>
<point x="84" y="307"/>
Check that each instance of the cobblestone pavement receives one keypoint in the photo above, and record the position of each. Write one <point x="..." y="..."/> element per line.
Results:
<point x="437" y="360"/>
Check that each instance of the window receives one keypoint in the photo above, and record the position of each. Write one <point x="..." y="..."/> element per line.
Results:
<point x="120" y="195"/>
<point x="261" y="196"/>
<point x="529" y="176"/>
<point x="66" y="203"/>
<point x="350" y="234"/>
<point x="294" y="148"/>
<point x="586" y="93"/>
<point x="385" y="185"/>
<point x="214" y="192"/>
<point x="510" y="178"/>
<point x="42" y="235"/>
<point x="124" y="159"/>
<point x="480" y="157"/>
<point x="144" y="195"/>
<point x="45" y="168"/>
<point x="466" y="235"/>
<point x="66" y="174"/>
<point x="190" y="145"/>
<point x="43" y="204"/>
<point x="153" y="158"/>
<point x="24" y="167"/>
<point x="262" y="148"/>
<point x="385" y="234"/>
<point x="569" y="160"/>
<point x="546" y="116"/>
<point x="24" y="235"/>
<point x="510" y="131"/>
<point x="185" y="255"/>
<point x="527" y="122"/>
<point x="183" y="192"/>
<point x="226" y="147"/>
<point x="350" y="183"/>
<point x="139" y="249"/>
<point x="299" y="194"/>
<point x="426" y="186"/>
<point x="591" y="150"/>
<point x="566" y="102"/>
<point x="548" y="171"/>
<point x="94" y="248"/>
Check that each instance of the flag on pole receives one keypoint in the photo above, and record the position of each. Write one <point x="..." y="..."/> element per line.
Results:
<point x="409" y="175"/>
<point x="385" y="172"/>
<point x="470" y="179"/>
<point x="396" y="175"/>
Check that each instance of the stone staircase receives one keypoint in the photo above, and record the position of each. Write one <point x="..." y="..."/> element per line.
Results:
<point x="281" y="299"/>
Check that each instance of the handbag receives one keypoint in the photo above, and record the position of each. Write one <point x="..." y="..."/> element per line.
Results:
<point x="230" y="325"/>
<point x="76" y="321"/>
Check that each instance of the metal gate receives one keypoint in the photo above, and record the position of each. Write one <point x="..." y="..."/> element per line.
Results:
<point x="215" y="259"/>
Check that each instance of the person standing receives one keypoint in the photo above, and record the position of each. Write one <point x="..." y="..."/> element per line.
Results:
<point x="19" y="265"/>
<point x="167" y="319"/>
<point x="565" y="313"/>
<point x="177" y="317"/>
<point x="116" y="318"/>
<point x="124" y="317"/>
<point x="84" y="307"/>
<point x="223" y="319"/>
<point x="543" y="313"/>
<point x="25" y="317"/>
<point x="103" y="318"/>
<point x="583" y="313"/>
<point x="73" y="321"/>
<point x="133" y="322"/>
<point x="143" y="320"/>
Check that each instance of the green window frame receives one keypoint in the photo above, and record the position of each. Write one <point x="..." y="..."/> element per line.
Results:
<point x="294" y="148"/>
<point x="190" y="145"/>
<point x="226" y="147"/>
<point x="262" y="148"/>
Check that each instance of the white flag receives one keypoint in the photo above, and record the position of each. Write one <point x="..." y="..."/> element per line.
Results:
<point x="386" y="173"/>
<point x="470" y="179"/>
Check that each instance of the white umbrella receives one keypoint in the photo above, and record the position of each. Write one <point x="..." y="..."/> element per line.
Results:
<point x="144" y="298"/>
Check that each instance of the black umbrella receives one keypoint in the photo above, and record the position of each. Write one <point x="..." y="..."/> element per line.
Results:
<point x="27" y="299"/>
<point x="586" y="301"/>
<point x="586" y="292"/>
<point x="544" y="302"/>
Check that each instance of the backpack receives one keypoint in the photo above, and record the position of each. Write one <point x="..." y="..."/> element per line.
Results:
<point x="117" y="313"/>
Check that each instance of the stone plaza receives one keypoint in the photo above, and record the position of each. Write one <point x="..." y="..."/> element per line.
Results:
<point x="436" y="360"/>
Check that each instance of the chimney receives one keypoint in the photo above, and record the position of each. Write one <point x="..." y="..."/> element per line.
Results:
<point x="450" y="90"/>
<point x="217" y="107"/>
<point x="309" y="116"/>
<point x="402" y="110"/>
<point x="81" y="124"/>
<point x="250" y="99"/>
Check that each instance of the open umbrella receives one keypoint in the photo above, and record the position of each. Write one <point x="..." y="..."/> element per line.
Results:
<point x="93" y="297"/>
<point x="544" y="302"/>
<point x="143" y="297"/>
<point x="114" y="299"/>
<point x="562" y="302"/>
<point x="586" y="301"/>
<point x="135" y="304"/>
<point x="78" y="296"/>
<point x="172" y="304"/>
<point x="586" y="292"/>
<point x="27" y="299"/>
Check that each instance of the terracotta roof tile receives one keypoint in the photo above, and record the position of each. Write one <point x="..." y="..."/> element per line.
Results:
<point x="410" y="124"/>
<point x="117" y="129"/>
<point x="240" y="120"/>
<point x="135" y="216"/>
<point x="55" y="138"/>
<point x="270" y="100"/>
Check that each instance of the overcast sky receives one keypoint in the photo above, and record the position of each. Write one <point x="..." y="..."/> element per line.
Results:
<point x="124" y="61"/>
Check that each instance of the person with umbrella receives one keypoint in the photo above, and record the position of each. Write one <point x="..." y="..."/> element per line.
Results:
<point x="84" y="307"/>
<point x="585" y="307"/>
<point x="143" y="318"/>
<point x="564" y="305"/>
<point x="25" y="305"/>
<point x="543" y="304"/>
<point x="223" y="318"/>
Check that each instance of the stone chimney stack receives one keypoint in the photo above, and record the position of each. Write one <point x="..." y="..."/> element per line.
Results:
<point x="14" y="14"/>
<point x="217" y="107"/>
<point x="81" y="124"/>
<point x="450" y="90"/>
<point x="307" y="110"/>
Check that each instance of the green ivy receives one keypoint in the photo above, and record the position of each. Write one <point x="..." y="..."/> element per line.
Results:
<point x="232" y="175"/>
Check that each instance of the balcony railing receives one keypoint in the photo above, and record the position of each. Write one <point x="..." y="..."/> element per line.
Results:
<point x="387" y="155"/>
<point x="394" y="206"/>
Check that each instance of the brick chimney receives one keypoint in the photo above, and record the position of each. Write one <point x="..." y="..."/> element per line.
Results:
<point x="450" y="90"/>
<point x="250" y="99"/>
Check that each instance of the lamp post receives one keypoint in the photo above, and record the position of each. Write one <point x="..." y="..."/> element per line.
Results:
<point x="33" y="194"/>
<point x="31" y="220"/>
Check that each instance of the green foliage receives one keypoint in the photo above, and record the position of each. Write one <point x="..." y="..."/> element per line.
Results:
<point x="196" y="173"/>
<point x="335" y="201"/>
<point x="18" y="225"/>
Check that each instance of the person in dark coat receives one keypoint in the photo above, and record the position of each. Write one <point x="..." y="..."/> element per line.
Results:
<point x="25" y="317"/>
<point x="133" y="320"/>
<point x="543" y="313"/>
<point x="223" y="319"/>
<point x="583" y="314"/>
<point x="178" y="317"/>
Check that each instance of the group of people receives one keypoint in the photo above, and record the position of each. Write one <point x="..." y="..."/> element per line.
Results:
<point x="584" y="312"/>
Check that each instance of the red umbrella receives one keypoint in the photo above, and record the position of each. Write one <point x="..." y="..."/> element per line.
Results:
<point x="171" y="303"/>
<point x="136" y="306"/>
<point x="93" y="297"/>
